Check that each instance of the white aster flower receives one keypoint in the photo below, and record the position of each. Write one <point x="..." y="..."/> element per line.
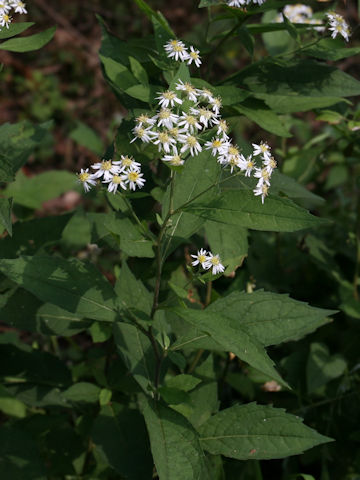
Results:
<point x="128" y="162"/>
<point x="19" y="6"/>
<point x="133" y="178"/>
<point x="236" y="3"/>
<point x="206" y="94"/>
<point x="164" y="141"/>
<point x="114" y="182"/>
<point x="190" y="143"/>
<point x="86" y="178"/>
<point x="263" y="175"/>
<point x="216" y="146"/>
<point x="173" y="159"/>
<point x="176" y="50"/>
<point x="194" y="57"/>
<point x="338" y="26"/>
<point x="5" y="20"/>
<point x="201" y="258"/>
<point x="144" y="119"/>
<point x="167" y="118"/>
<point x="190" y="90"/>
<point x="106" y="169"/>
<point x="216" y="104"/>
<point x="4" y="6"/>
<point x="142" y="134"/>
<point x="262" y="149"/>
<point x="206" y="117"/>
<point x="270" y="164"/>
<point x="168" y="98"/>
<point x="189" y="123"/>
<point x="214" y="263"/>
<point x="261" y="190"/>
<point x="223" y="128"/>
<point x="247" y="165"/>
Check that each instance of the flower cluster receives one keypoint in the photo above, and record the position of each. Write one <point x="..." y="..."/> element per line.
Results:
<point x="5" y="9"/>
<point x="177" y="50"/>
<point x="242" y="3"/>
<point x="299" y="13"/>
<point x="207" y="260"/>
<point x="264" y="173"/>
<point x="125" y="173"/>
<point x="337" y="25"/>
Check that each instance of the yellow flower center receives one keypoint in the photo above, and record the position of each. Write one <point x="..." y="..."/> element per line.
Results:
<point x="106" y="165"/>
<point x="84" y="176"/>
<point x="263" y="147"/>
<point x="140" y="132"/>
<point x="126" y="161"/>
<point x="142" y="118"/>
<point x="178" y="48"/>
<point x="215" y="260"/>
<point x="133" y="176"/>
<point x="233" y="151"/>
<point x="163" y="137"/>
<point x="174" y="132"/>
<point x="116" y="179"/>
<point x="273" y="163"/>
<point x="190" y="119"/>
<point x="216" y="143"/>
<point x="176" y="160"/>
<point x="250" y="164"/>
<point x="189" y="88"/>
<point x="191" y="141"/>
<point x="223" y="126"/>
<point x="6" y="17"/>
<point x="164" y="113"/>
<point x="169" y="95"/>
<point x="194" y="55"/>
<point x="202" y="258"/>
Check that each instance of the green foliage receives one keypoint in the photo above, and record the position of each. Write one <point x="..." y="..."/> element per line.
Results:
<point x="30" y="43"/>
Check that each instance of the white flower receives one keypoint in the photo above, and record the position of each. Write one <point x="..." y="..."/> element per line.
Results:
<point x="168" y="98"/>
<point x="214" y="263"/>
<point x="106" y="169"/>
<point x="164" y="141"/>
<point x="128" y="162"/>
<point x="144" y="119"/>
<point x="201" y="258"/>
<point x="270" y="165"/>
<point x="176" y="50"/>
<point x="5" y="20"/>
<point x="167" y="118"/>
<point x="206" y="94"/>
<point x="338" y="25"/>
<point x="261" y="190"/>
<point x="223" y="128"/>
<point x="19" y="6"/>
<point x="4" y="7"/>
<point x="206" y="117"/>
<point x="190" y="143"/>
<point x="216" y="146"/>
<point x="194" y="57"/>
<point x="86" y="179"/>
<point x="142" y="133"/>
<point x="174" y="159"/>
<point x="263" y="175"/>
<point x="262" y="149"/>
<point x="189" y="123"/>
<point x="247" y="164"/>
<point x="236" y="3"/>
<point x="114" y="182"/>
<point x="133" y="178"/>
<point x="190" y="90"/>
<point x="216" y="104"/>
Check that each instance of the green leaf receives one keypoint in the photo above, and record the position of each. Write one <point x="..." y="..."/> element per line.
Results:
<point x="30" y="43"/>
<point x="229" y="241"/>
<point x="5" y="214"/>
<point x="264" y="117"/>
<point x="137" y="353"/>
<point x="183" y="382"/>
<point x="77" y="232"/>
<point x="82" y="392"/>
<point x="271" y="318"/>
<point x="322" y="367"/>
<point x="70" y="284"/>
<point x="119" y="437"/>
<point x="174" y="443"/>
<point x="87" y="137"/>
<point x="10" y="405"/>
<point x="132" y="242"/>
<point x="257" y="432"/>
<point x="32" y="192"/>
<point x="230" y="338"/>
<point x="15" y="29"/>
<point x="281" y="183"/>
<point x="139" y="71"/>
<point x="18" y="141"/>
<point x="19" y="456"/>
<point x="326" y="49"/>
<point x="242" y="208"/>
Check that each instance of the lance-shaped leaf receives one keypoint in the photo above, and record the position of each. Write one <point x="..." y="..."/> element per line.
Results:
<point x="30" y="43"/>
<point x="271" y="318"/>
<point x="242" y="208"/>
<point x="257" y="432"/>
<point x="70" y="284"/>
<point x="174" y="443"/>
<point x="231" y="339"/>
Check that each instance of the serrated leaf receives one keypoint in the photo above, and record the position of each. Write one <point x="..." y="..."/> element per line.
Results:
<point x="29" y="43"/>
<point x="257" y="432"/>
<point x="174" y="443"/>
<point x="230" y="339"/>
<point x="69" y="284"/>
<point x="243" y="209"/>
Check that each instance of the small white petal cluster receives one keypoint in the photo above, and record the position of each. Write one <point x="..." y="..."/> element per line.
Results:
<point x="299" y="13"/>
<point x="264" y="173"/>
<point x="337" y="25"/>
<point x="124" y="173"/>
<point x="243" y="3"/>
<point x="207" y="260"/>
<point x="5" y="9"/>
<point x="183" y="115"/>
<point x="177" y="50"/>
